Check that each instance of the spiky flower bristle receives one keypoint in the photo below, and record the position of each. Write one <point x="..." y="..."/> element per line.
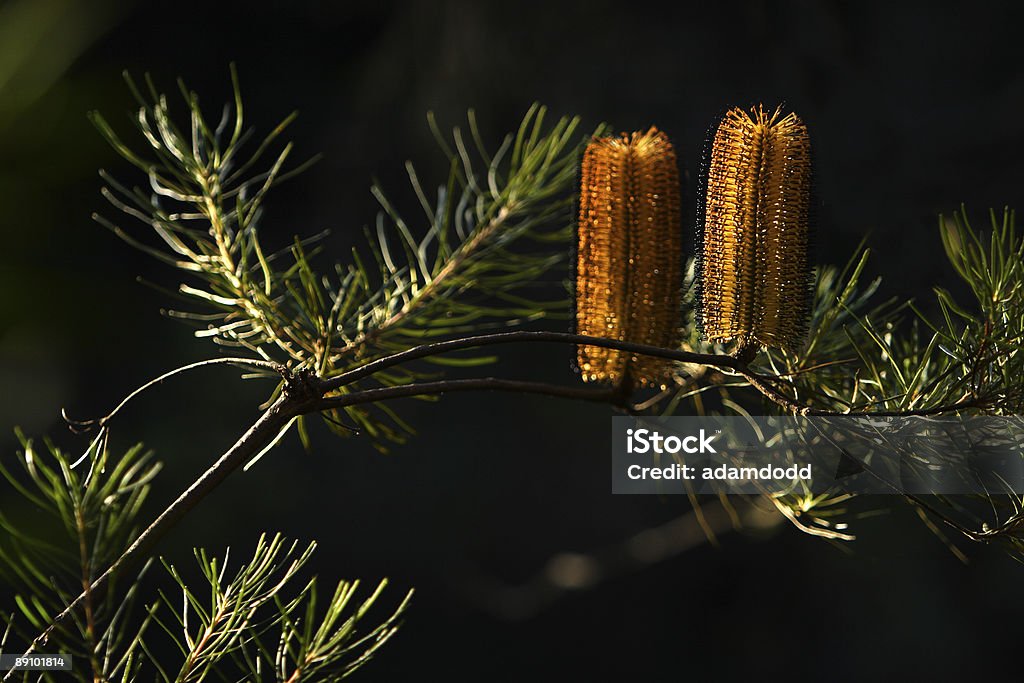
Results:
<point x="754" y="266"/>
<point x="629" y="247"/>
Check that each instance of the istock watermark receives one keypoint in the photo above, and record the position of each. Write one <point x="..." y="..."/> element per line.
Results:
<point x="772" y="454"/>
<point x="645" y="440"/>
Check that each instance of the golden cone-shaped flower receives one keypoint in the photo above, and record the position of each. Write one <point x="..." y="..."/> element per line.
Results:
<point x="754" y="266"/>
<point x="629" y="246"/>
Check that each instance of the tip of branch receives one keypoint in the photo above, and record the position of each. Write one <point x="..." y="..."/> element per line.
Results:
<point x="77" y="426"/>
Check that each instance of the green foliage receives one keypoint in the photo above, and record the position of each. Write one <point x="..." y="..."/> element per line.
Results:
<point x="868" y="358"/>
<point x="91" y="511"/>
<point x="88" y="516"/>
<point x="985" y="342"/>
<point x="466" y="269"/>
<point x="228" y="626"/>
<point x="322" y="648"/>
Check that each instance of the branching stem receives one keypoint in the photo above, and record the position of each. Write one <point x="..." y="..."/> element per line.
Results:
<point x="305" y="393"/>
<point x="258" y="435"/>
<point x="90" y="618"/>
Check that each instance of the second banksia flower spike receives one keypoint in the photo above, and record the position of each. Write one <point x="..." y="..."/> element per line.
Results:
<point x="753" y="263"/>
<point x="629" y="248"/>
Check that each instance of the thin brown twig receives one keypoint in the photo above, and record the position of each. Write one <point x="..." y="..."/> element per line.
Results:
<point x="595" y="394"/>
<point x="718" y="360"/>
<point x="101" y="422"/>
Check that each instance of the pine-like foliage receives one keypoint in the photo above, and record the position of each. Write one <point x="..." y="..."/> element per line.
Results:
<point x="260" y="621"/>
<point x="85" y="511"/>
<point x="461" y="265"/>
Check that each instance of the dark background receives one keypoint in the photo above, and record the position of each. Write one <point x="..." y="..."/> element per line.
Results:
<point x="914" y="108"/>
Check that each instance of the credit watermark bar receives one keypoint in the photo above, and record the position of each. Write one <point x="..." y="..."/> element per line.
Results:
<point x="35" y="662"/>
<point x="851" y="454"/>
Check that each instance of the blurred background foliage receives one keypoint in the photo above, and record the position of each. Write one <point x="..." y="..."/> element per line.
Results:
<point x="913" y="108"/>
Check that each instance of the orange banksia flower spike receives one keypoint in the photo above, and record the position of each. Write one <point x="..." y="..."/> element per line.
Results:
<point x="628" y="255"/>
<point x="753" y="237"/>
